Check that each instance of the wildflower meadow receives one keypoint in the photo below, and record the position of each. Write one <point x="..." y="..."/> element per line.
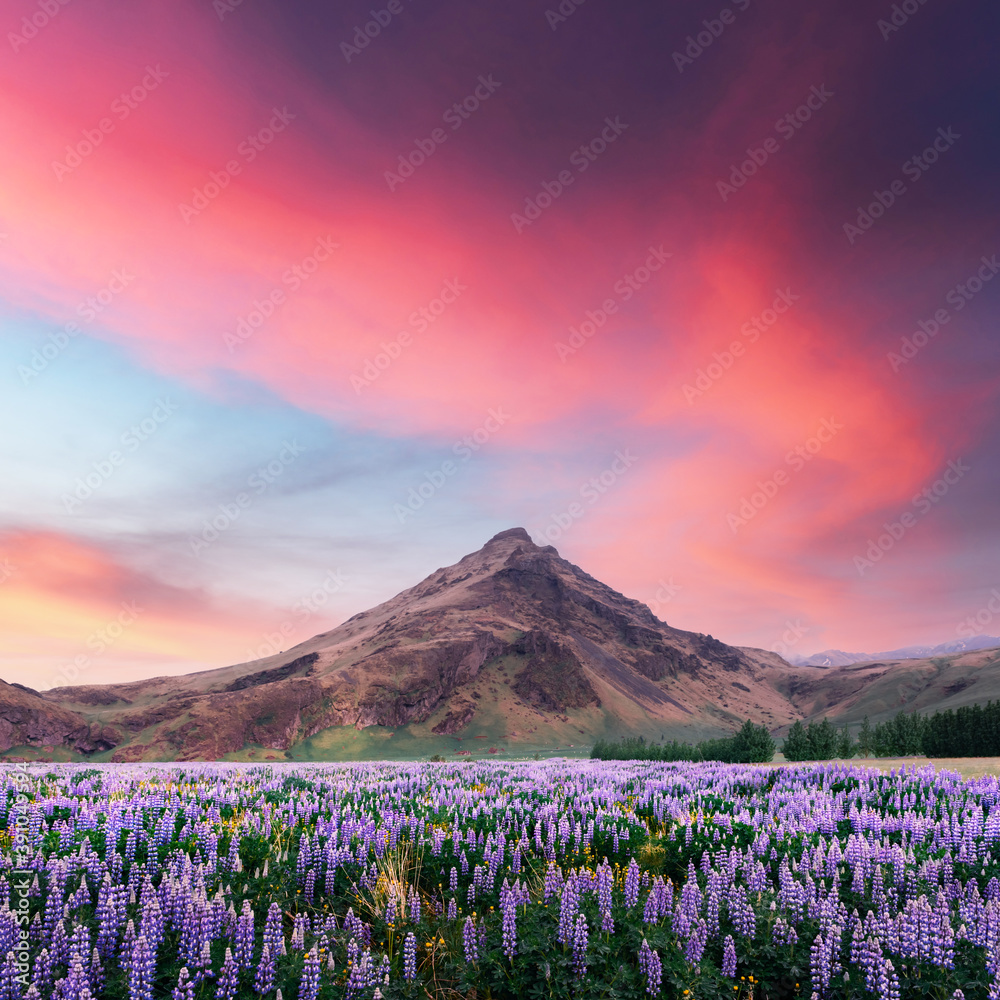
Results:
<point x="498" y="880"/>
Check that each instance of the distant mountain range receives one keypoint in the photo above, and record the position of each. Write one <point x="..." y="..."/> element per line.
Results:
<point x="838" y="658"/>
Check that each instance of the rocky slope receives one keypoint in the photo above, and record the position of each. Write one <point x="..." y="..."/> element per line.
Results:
<point x="27" y="718"/>
<point x="881" y="688"/>
<point x="513" y="633"/>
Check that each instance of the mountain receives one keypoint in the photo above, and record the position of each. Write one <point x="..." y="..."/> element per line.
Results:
<point x="27" y="718"/>
<point x="881" y="688"/>
<point x="838" y="658"/>
<point x="512" y="644"/>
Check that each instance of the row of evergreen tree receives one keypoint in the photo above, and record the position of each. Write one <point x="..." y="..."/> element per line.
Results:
<point x="751" y="745"/>
<point x="970" y="731"/>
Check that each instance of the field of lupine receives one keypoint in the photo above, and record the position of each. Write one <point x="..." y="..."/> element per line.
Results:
<point x="489" y="880"/>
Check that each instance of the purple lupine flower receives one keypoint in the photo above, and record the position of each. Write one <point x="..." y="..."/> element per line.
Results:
<point x="452" y="909"/>
<point x="469" y="940"/>
<point x="713" y="901"/>
<point x="871" y="962"/>
<point x="309" y="984"/>
<point x="41" y="976"/>
<point x="151" y="925"/>
<point x="651" y="911"/>
<point x="10" y="987"/>
<point x="580" y="940"/>
<point x="60" y="943"/>
<point x="553" y="882"/>
<point x="356" y="927"/>
<point x="203" y="964"/>
<point x="273" y="929"/>
<point x="689" y="905"/>
<point x="363" y="974"/>
<point x="264" y="978"/>
<point x="729" y="957"/>
<point x="569" y="906"/>
<point x="632" y="884"/>
<point x="695" y="946"/>
<point x="245" y="937"/>
<point x="605" y="881"/>
<point x="651" y="967"/>
<point x="142" y="970"/>
<point x="96" y="972"/>
<point x="888" y="982"/>
<point x="228" y="978"/>
<point x="819" y="963"/>
<point x="508" y="907"/>
<point x="128" y="943"/>
<point x="299" y="932"/>
<point x="76" y="985"/>
<point x="742" y="913"/>
<point x="410" y="957"/>
<point x="184" y="990"/>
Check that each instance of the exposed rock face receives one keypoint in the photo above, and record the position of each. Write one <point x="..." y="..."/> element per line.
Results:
<point x="553" y="678"/>
<point x="511" y="623"/>
<point x="299" y="665"/>
<point x="26" y="719"/>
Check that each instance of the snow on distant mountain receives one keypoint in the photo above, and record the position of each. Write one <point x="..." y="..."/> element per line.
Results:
<point x="838" y="658"/>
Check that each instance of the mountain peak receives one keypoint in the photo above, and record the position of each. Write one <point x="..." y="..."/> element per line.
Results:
<point x="519" y="533"/>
